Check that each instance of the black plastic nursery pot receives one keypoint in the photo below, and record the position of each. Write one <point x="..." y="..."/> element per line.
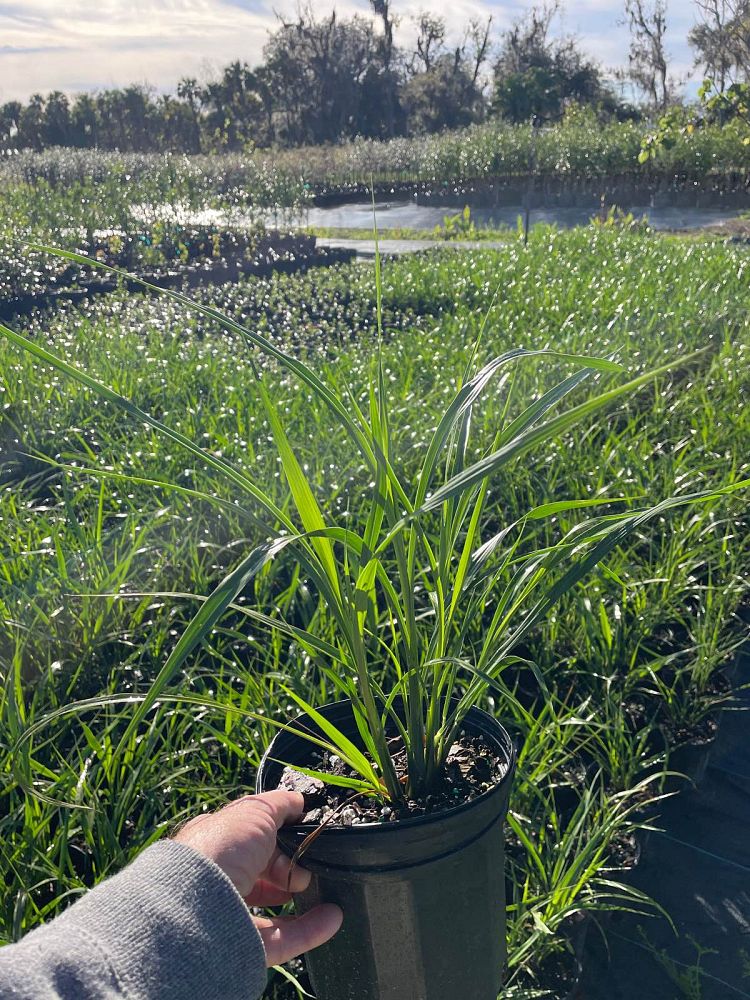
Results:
<point x="423" y="898"/>
<point x="689" y="761"/>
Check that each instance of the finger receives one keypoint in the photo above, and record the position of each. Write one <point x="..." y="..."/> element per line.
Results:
<point x="241" y="837"/>
<point x="266" y="894"/>
<point x="278" y="869"/>
<point x="282" y="807"/>
<point x="287" y="937"/>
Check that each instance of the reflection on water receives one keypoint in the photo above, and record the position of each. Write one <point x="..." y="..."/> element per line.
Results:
<point x="410" y="215"/>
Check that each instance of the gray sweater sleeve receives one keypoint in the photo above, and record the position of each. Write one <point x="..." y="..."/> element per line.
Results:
<point x="170" y="926"/>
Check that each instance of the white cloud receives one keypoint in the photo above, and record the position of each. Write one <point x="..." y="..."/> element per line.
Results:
<point x="159" y="41"/>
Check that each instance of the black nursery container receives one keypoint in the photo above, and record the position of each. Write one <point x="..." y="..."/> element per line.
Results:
<point x="689" y="761"/>
<point x="423" y="898"/>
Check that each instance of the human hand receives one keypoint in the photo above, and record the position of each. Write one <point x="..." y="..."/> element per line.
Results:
<point x="241" y="840"/>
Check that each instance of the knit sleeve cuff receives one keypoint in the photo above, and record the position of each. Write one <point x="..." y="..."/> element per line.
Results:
<point x="172" y="926"/>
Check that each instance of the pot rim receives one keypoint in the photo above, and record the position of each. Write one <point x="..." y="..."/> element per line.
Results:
<point x="393" y="827"/>
<point x="695" y="742"/>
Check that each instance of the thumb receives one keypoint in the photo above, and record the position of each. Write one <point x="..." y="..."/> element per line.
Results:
<point x="286" y="937"/>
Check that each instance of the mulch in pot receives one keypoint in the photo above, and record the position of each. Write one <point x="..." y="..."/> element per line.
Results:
<point x="471" y="769"/>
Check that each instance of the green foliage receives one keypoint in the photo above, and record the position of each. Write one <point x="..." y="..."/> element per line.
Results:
<point x="113" y="190"/>
<point x="728" y="107"/>
<point x="615" y="218"/>
<point x="369" y="588"/>
<point x="444" y="97"/>
<point x="457" y="227"/>
<point x="389" y="552"/>
<point x="724" y="113"/>
<point x="102" y="570"/>
<point x="538" y="74"/>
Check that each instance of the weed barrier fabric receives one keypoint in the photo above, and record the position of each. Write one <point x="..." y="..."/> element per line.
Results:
<point x="698" y="868"/>
<point x="423" y="898"/>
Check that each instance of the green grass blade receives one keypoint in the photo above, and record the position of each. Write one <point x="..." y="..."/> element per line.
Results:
<point x="121" y="402"/>
<point x="356" y="784"/>
<point x="545" y="510"/>
<point x="301" y="370"/>
<point x="470" y="392"/>
<point x="305" y="502"/>
<point x="533" y="413"/>
<point x="211" y="611"/>
<point x="615" y="535"/>
<point x="548" y="430"/>
<point x="347" y="750"/>
<point x="306" y="639"/>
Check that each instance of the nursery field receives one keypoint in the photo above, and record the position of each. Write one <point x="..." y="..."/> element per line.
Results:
<point x="111" y="536"/>
<point x="68" y="187"/>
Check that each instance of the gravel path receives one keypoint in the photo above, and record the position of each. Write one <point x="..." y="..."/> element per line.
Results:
<point x="366" y="248"/>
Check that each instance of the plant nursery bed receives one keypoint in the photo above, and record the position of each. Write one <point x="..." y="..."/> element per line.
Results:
<point x="289" y="255"/>
<point x="698" y="870"/>
<point x="548" y="189"/>
<point x="113" y="542"/>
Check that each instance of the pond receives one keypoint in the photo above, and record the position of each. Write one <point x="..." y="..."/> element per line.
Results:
<point x="409" y="214"/>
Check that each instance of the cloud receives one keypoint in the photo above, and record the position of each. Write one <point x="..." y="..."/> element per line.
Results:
<point x="79" y="45"/>
<point x="29" y="49"/>
<point x="114" y="43"/>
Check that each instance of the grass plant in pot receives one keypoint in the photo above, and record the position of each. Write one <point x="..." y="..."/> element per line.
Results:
<point x="415" y="617"/>
<point x="692" y="689"/>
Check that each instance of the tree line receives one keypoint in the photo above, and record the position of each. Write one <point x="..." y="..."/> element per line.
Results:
<point x="328" y="79"/>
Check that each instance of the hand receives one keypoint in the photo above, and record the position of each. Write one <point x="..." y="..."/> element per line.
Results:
<point x="241" y="840"/>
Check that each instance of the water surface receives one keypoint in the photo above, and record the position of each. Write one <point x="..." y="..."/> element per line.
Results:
<point x="410" y="215"/>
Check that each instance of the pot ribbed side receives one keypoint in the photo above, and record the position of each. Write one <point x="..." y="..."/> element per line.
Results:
<point x="423" y="899"/>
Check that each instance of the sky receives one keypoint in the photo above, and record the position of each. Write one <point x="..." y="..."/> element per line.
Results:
<point x="84" y="45"/>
